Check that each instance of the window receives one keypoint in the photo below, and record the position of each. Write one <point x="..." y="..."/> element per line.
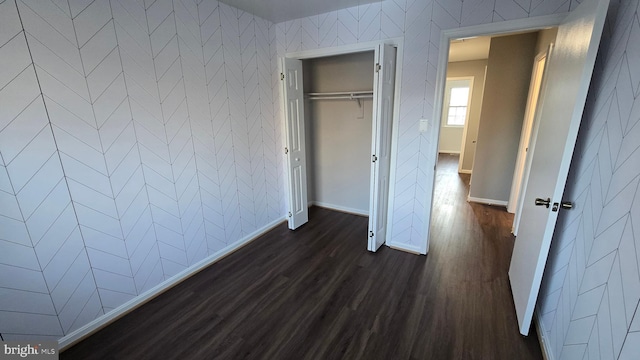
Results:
<point x="456" y="102"/>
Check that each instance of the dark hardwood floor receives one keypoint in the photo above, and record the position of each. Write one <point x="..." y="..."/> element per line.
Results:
<point x="317" y="293"/>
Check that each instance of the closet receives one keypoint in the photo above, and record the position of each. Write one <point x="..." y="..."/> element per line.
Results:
<point x="338" y="116"/>
<point x="338" y="93"/>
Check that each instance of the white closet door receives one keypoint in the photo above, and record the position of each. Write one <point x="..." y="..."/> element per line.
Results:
<point x="295" y="150"/>
<point x="383" y="90"/>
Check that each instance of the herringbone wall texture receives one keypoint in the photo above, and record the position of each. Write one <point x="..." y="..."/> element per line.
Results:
<point x="137" y="138"/>
<point x="591" y="287"/>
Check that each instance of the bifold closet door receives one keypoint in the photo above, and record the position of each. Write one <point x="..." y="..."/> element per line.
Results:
<point x="383" y="92"/>
<point x="295" y="151"/>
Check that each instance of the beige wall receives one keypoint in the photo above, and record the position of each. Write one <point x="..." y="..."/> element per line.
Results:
<point x="339" y="73"/>
<point x="450" y="136"/>
<point x="505" y="96"/>
<point x="339" y="132"/>
<point x="545" y="37"/>
<point x="476" y="69"/>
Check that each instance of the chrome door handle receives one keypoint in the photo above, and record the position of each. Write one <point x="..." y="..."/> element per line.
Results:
<point x="543" y="202"/>
<point x="565" y="205"/>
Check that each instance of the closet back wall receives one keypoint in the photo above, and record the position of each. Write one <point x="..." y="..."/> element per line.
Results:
<point x="339" y="132"/>
<point x="136" y="139"/>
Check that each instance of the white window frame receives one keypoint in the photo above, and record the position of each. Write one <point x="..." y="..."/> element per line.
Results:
<point x="451" y="83"/>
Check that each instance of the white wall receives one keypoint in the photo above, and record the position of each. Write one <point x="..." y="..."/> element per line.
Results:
<point x="153" y="145"/>
<point x="339" y="132"/>
<point x="505" y="97"/>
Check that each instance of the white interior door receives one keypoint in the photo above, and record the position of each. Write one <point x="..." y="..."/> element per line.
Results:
<point x="383" y="91"/>
<point x="518" y="183"/>
<point x="569" y="73"/>
<point x="295" y="151"/>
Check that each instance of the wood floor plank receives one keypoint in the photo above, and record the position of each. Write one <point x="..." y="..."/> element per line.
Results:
<point x="317" y="293"/>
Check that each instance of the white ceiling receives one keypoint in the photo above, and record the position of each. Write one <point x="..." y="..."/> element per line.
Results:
<point x="282" y="10"/>
<point x="469" y="49"/>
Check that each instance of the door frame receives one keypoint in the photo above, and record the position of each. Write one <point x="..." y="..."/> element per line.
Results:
<point x="398" y="43"/>
<point x="463" y="138"/>
<point x="504" y="27"/>
<point x="465" y="128"/>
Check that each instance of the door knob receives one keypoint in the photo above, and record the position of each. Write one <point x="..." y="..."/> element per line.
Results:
<point x="543" y="202"/>
<point x="567" y="205"/>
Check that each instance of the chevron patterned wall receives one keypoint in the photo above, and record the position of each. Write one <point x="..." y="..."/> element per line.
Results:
<point x="589" y="302"/>
<point x="136" y="138"/>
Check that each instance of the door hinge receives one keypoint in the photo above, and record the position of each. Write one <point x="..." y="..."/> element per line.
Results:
<point x="378" y="67"/>
<point x="281" y="76"/>
<point x="374" y="158"/>
<point x="290" y="214"/>
<point x="371" y="234"/>
<point x="286" y="151"/>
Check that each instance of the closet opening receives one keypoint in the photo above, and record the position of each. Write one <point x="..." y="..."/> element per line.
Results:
<point x="338" y="120"/>
<point x="338" y="92"/>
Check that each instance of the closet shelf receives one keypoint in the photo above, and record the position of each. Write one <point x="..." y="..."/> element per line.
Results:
<point x="340" y="95"/>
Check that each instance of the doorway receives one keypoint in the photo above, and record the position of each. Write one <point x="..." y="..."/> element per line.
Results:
<point x="338" y="125"/>
<point x="446" y="38"/>
<point x="496" y="121"/>
<point x="383" y="94"/>
<point x="556" y="128"/>
<point x="467" y="60"/>
<point x="482" y="216"/>
<point x="454" y="125"/>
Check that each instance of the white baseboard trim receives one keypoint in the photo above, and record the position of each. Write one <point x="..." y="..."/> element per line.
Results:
<point x="452" y="152"/>
<point x="463" y="171"/>
<point x="115" y="314"/>
<point x="487" y="201"/>
<point x="404" y="247"/>
<point x="547" y="352"/>
<point x="340" y="208"/>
